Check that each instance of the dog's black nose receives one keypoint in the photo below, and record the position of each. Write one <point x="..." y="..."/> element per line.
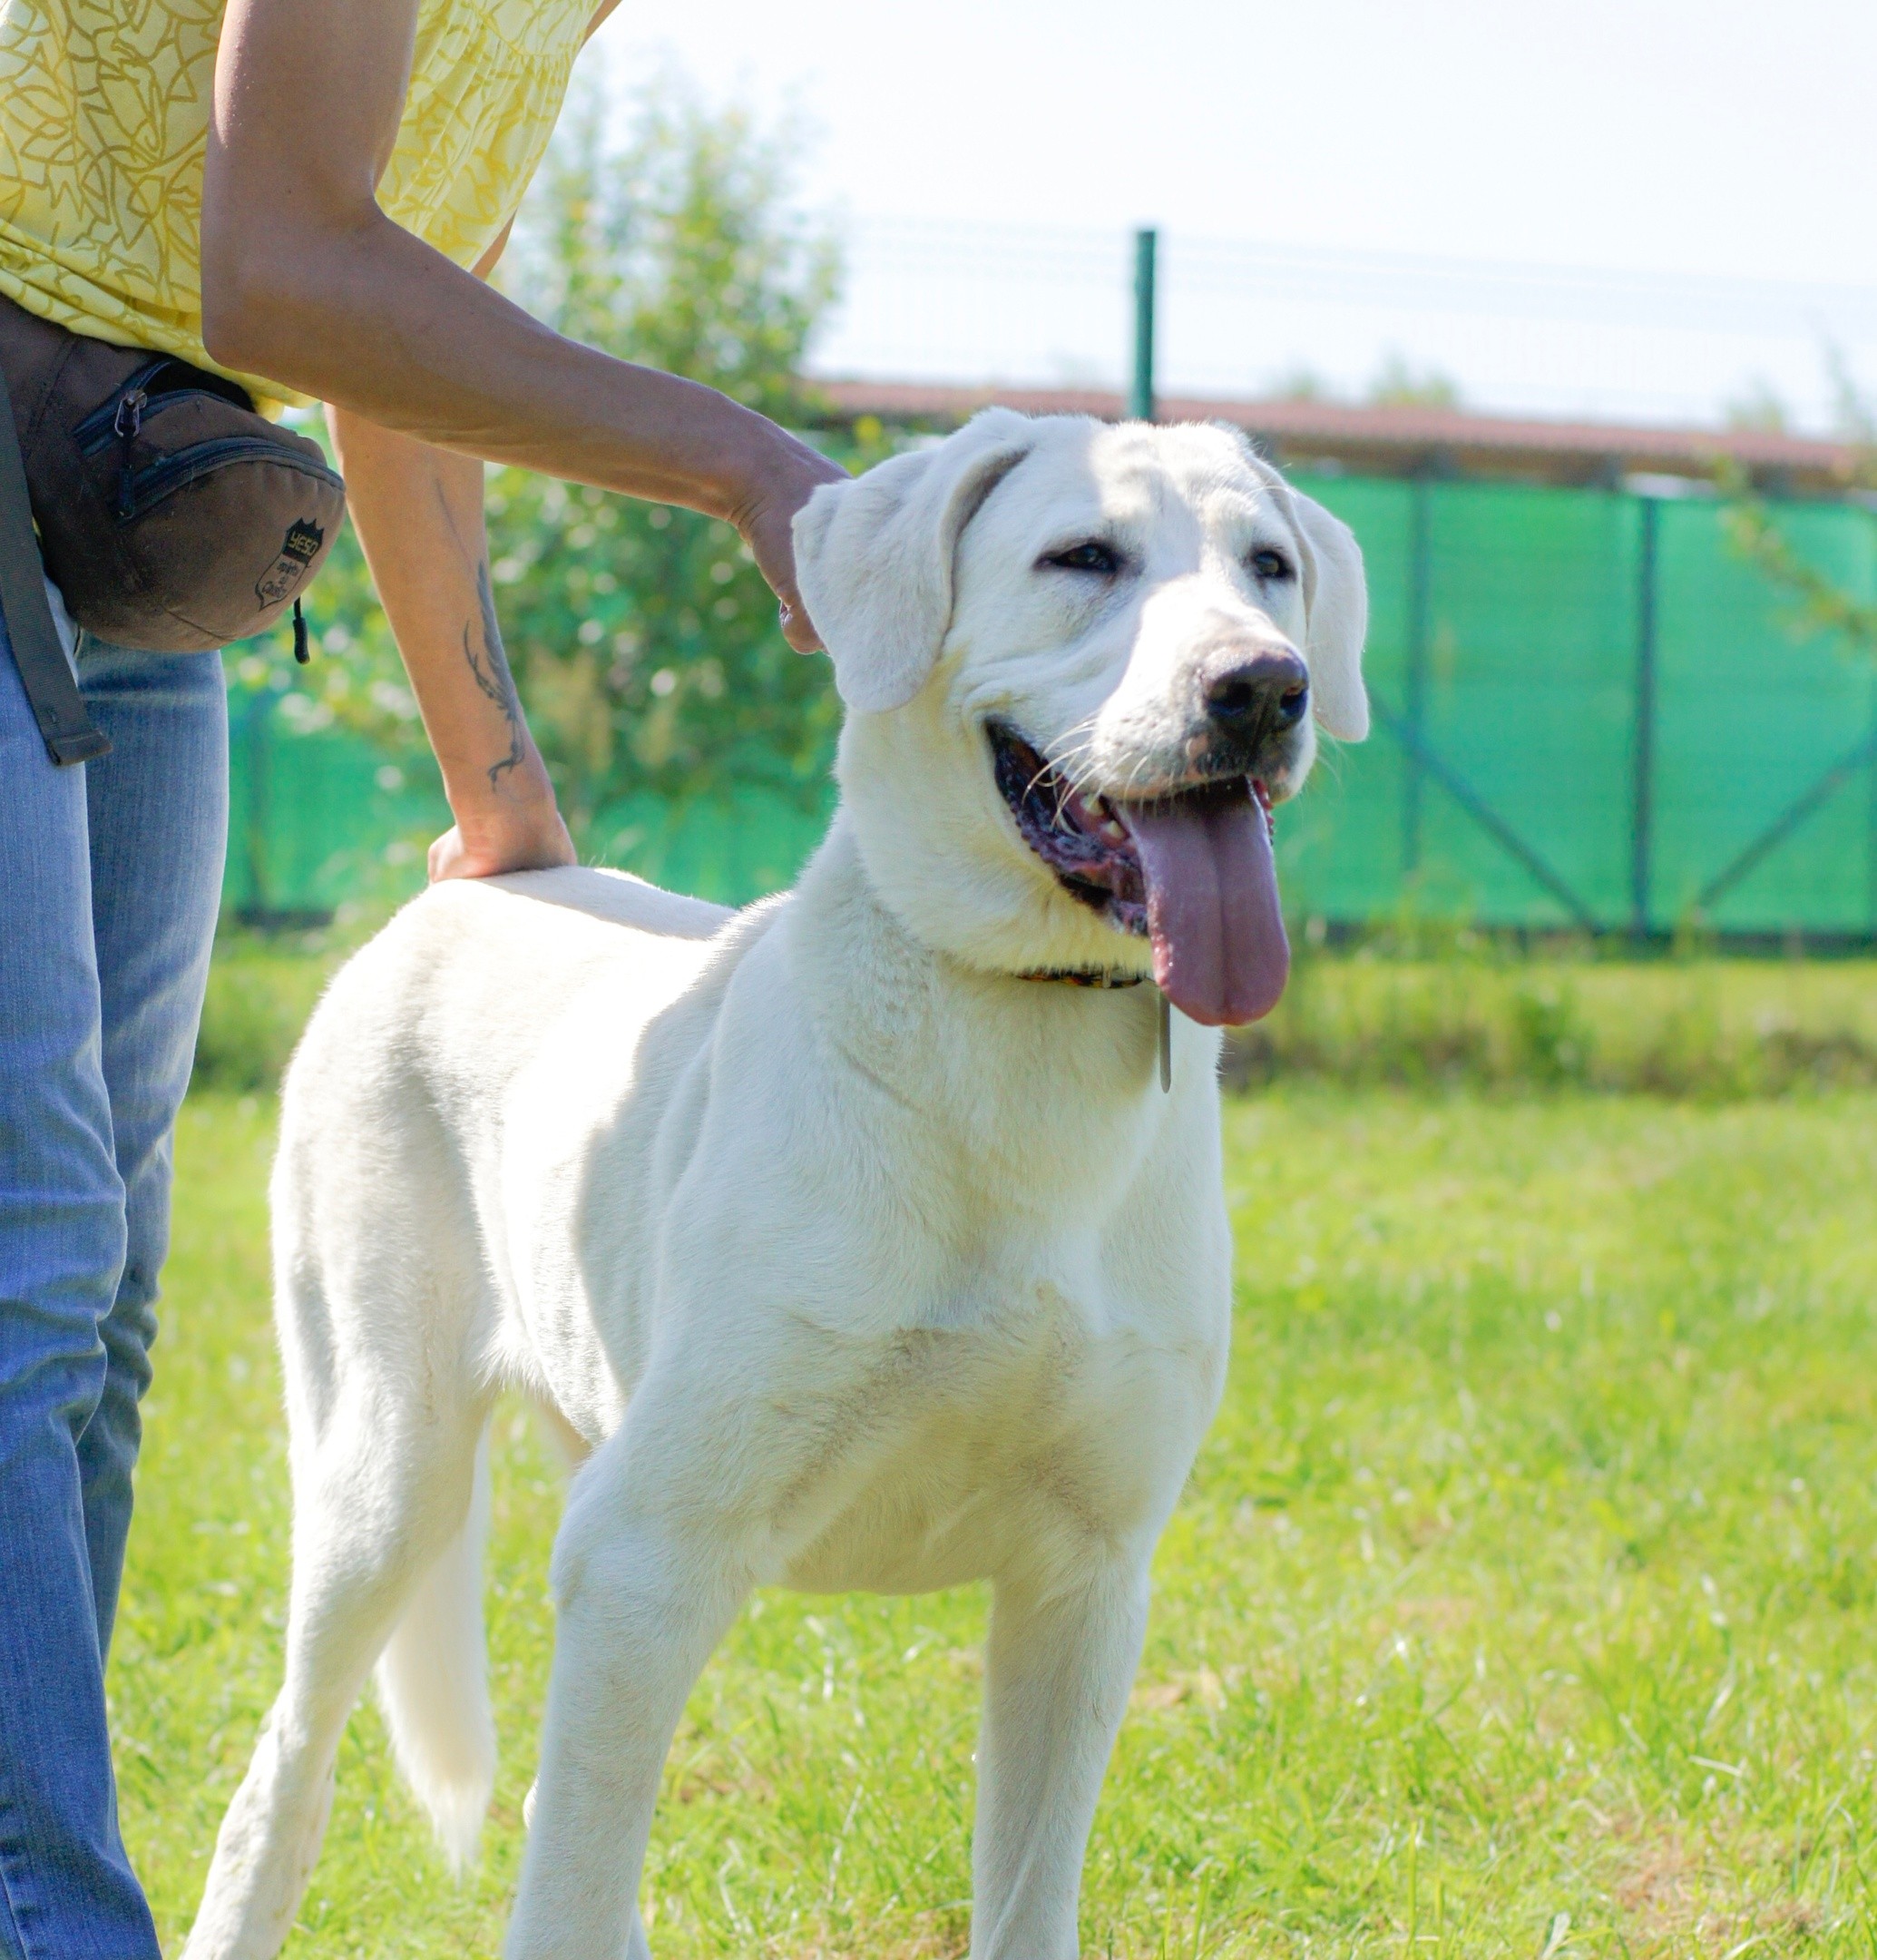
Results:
<point x="1266" y="691"/>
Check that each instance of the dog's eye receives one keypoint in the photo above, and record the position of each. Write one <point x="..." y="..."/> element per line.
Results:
<point x="1091" y="556"/>
<point x="1267" y="563"/>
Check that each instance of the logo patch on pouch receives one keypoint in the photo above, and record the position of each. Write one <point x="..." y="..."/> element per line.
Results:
<point x="297" y="549"/>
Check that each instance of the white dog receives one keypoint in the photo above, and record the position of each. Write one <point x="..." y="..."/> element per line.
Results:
<point x="853" y="1244"/>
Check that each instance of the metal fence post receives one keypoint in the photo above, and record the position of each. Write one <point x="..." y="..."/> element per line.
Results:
<point x="1140" y="406"/>
<point x="1643" y="772"/>
<point x="1419" y="638"/>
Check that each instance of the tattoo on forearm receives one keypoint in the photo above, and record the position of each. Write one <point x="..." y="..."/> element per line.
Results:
<point x="491" y="674"/>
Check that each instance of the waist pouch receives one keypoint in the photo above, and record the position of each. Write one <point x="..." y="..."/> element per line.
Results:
<point x="170" y="515"/>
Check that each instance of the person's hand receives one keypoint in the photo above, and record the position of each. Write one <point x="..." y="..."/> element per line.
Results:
<point x="507" y="837"/>
<point x="783" y="477"/>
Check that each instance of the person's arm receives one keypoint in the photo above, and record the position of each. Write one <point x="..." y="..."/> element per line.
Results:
<point x="418" y="511"/>
<point x="306" y="280"/>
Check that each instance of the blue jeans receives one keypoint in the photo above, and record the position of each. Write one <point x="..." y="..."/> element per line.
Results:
<point x="110" y="880"/>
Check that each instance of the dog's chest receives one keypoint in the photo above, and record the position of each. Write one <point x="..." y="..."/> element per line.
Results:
<point x="1054" y="1414"/>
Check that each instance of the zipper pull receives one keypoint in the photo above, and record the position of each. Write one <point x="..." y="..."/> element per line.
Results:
<point x="301" y="652"/>
<point x="125" y="425"/>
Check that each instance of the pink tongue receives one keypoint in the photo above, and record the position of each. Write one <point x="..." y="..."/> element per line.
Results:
<point x="1220" y="955"/>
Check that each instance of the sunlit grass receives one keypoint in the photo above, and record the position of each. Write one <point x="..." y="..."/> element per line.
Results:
<point x="1485" y="1016"/>
<point x="1525" y="1598"/>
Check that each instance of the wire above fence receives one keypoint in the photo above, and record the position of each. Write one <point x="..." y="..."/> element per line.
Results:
<point x="1041" y="305"/>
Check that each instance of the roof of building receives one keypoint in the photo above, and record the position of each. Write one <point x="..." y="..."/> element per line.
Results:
<point x="1408" y="440"/>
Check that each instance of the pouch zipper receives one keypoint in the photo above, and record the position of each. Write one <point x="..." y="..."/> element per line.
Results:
<point x="120" y="418"/>
<point x="125" y="425"/>
<point x="149" y="487"/>
<point x="99" y="427"/>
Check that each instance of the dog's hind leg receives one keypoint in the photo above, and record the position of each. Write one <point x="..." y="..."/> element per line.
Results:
<point x="379" y="1495"/>
<point x="1059" y="1666"/>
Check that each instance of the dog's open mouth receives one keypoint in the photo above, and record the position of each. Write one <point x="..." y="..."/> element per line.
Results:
<point x="1191" y="871"/>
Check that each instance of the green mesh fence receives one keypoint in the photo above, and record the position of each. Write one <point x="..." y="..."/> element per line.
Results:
<point x="1589" y="710"/>
<point x="320" y="821"/>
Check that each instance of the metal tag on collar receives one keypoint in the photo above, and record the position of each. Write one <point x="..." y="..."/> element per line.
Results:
<point x="1165" y="1043"/>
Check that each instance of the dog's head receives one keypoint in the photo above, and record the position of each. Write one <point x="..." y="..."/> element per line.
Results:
<point x="1079" y="661"/>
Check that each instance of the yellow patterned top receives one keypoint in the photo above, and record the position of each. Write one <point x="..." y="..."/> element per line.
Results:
<point x="103" y="125"/>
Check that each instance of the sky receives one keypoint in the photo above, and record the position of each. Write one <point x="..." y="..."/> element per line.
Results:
<point x="1691" y="139"/>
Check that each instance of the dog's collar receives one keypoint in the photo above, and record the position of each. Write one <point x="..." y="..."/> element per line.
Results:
<point x="1085" y="976"/>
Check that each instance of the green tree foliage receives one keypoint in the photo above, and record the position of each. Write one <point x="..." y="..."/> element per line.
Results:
<point x="643" y="639"/>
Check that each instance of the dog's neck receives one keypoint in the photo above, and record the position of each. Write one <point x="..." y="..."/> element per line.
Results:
<point x="918" y="789"/>
<point x="1008" y="1066"/>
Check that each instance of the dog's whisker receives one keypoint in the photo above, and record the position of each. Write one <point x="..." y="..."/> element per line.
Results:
<point x="1083" y="779"/>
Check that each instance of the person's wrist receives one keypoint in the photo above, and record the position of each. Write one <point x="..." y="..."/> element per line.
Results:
<point x="516" y="827"/>
<point x="520" y="800"/>
<point x="768" y="467"/>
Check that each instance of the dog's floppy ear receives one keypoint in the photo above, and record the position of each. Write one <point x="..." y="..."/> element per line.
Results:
<point x="1336" y="619"/>
<point x="874" y="557"/>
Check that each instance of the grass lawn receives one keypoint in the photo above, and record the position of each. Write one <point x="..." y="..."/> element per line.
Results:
<point x="1524" y="1601"/>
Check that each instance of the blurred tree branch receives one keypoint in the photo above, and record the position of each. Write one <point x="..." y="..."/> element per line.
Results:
<point x="1753" y="529"/>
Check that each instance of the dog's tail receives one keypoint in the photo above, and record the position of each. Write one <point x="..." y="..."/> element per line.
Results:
<point x="432" y="1681"/>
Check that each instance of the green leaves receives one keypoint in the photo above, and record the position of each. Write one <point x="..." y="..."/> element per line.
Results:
<point x="647" y="650"/>
<point x="644" y="639"/>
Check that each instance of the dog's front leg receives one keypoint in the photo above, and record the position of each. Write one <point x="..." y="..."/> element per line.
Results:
<point x="1058" y="1667"/>
<point x="644" y="1594"/>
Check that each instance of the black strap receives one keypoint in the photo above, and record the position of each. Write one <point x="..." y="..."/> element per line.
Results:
<point x="37" y="651"/>
<point x="1104" y="977"/>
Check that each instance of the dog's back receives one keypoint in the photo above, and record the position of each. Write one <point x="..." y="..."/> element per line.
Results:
<point x="449" y="969"/>
<point x="618" y="898"/>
